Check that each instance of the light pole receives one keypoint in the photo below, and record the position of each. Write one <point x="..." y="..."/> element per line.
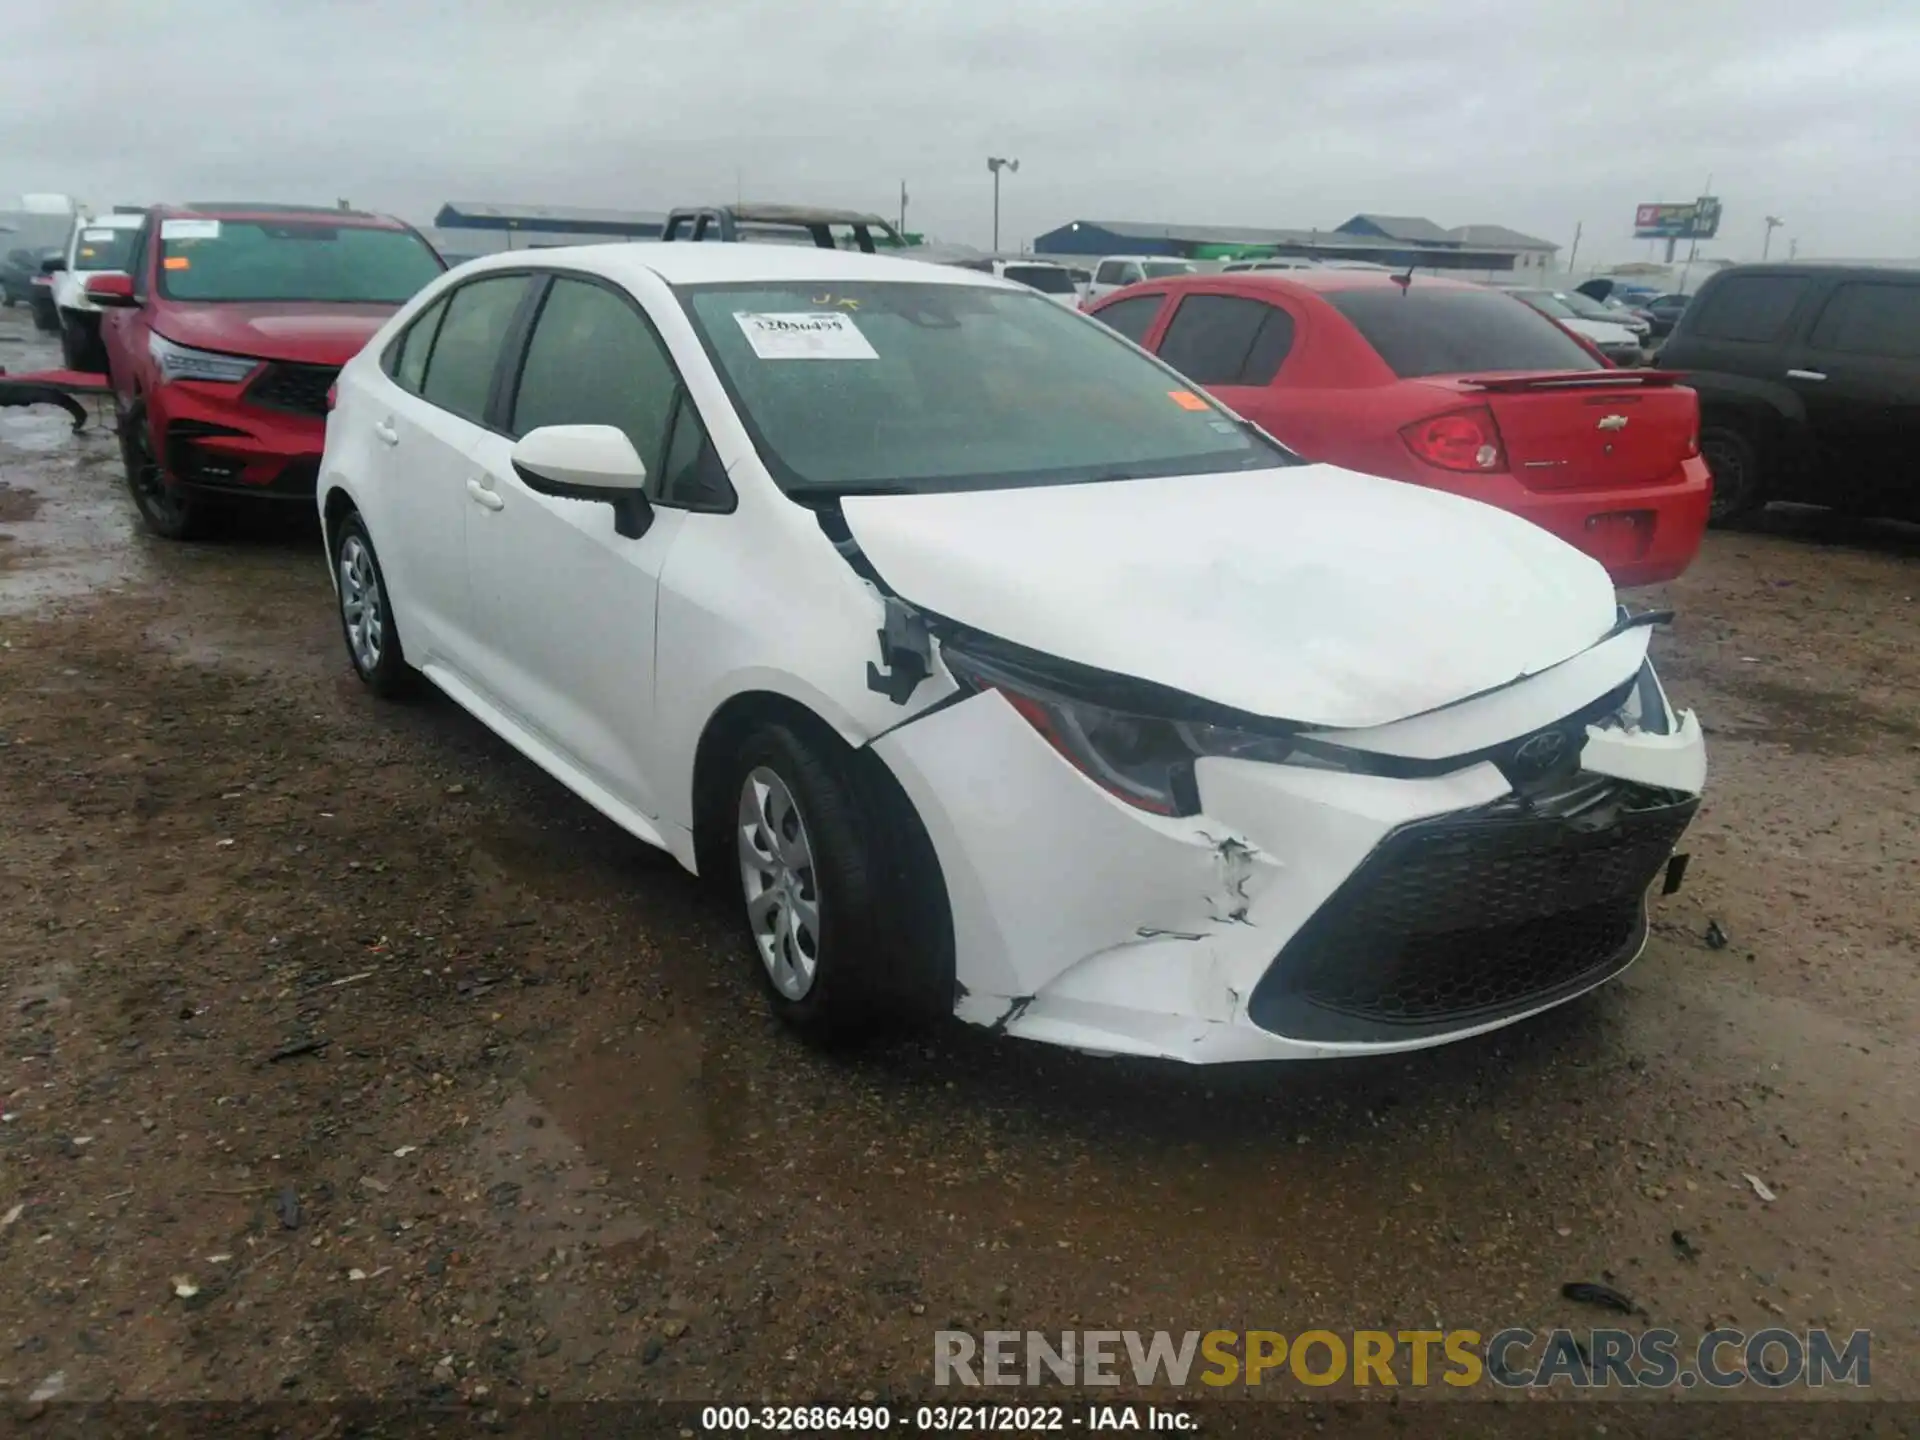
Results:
<point x="1774" y="222"/>
<point x="996" y="165"/>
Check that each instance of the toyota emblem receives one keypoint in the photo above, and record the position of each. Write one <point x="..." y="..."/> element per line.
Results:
<point x="1540" y="753"/>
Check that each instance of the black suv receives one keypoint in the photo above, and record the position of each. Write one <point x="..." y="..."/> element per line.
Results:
<point x="1809" y="384"/>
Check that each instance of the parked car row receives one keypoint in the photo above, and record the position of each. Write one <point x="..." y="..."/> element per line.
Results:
<point x="27" y="279"/>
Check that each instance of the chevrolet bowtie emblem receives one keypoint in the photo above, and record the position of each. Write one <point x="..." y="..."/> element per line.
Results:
<point x="1613" y="422"/>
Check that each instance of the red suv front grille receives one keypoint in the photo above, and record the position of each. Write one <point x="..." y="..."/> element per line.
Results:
<point x="301" y="389"/>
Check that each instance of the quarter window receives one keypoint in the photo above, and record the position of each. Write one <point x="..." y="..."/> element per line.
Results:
<point x="408" y="362"/>
<point x="1132" y="318"/>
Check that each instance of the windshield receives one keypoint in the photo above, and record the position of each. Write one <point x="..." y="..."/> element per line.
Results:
<point x="904" y="387"/>
<point x="1548" y="303"/>
<point x="1160" y="269"/>
<point x="1428" y="330"/>
<point x="292" y="261"/>
<point x="103" y="247"/>
<point x="1047" y="279"/>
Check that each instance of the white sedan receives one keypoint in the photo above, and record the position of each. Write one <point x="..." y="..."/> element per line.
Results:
<point x="999" y="671"/>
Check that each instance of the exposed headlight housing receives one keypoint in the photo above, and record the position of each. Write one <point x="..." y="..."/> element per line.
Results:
<point x="1145" y="760"/>
<point x="179" y="362"/>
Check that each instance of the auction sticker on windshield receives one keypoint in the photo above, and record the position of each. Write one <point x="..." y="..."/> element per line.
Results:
<point x="804" y="335"/>
<point x="189" y="229"/>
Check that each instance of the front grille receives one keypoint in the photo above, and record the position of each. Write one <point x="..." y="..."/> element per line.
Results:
<point x="301" y="389"/>
<point x="1468" y="917"/>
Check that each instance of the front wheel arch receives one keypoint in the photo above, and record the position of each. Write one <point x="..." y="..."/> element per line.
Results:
<point x="916" y="925"/>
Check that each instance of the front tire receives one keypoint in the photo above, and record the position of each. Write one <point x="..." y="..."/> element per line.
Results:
<point x="844" y="910"/>
<point x="166" y="510"/>
<point x="366" y="613"/>
<point x="1738" y="487"/>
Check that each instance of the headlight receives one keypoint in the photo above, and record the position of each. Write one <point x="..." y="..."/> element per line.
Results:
<point x="1145" y="760"/>
<point x="177" y="362"/>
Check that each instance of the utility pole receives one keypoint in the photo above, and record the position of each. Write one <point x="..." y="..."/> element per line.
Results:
<point x="1574" y="253"/>
<point x="1793" y="249"/>
<point x="1774" y="222"/>
<point x="996" y="165"/>
<point x="903" y="209"/>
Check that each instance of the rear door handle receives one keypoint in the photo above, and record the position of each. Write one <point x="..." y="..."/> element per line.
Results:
<point x="388" y="435"/>
<point x="485" y="496"/>
<point x="1806" y="374"/>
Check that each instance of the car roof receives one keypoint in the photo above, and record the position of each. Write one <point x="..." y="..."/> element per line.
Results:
<point x="263" y="213"/>
<point x="701" y="262"/>
<point x="1319" y="280"/>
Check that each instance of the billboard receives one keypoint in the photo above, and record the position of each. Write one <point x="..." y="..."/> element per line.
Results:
<point x="1695" y="220"/>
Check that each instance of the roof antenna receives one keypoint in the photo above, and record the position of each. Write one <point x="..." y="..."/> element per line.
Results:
<point x="1406" y="280"/>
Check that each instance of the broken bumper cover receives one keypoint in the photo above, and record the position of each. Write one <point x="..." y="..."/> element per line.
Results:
<point x="1305" y="912"/>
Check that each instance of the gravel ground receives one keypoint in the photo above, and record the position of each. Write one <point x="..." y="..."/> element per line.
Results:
<point x="347" y="1055"/>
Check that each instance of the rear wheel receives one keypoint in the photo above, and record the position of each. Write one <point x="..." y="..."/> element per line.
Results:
<point x="843" y="905"/>
<point x="1735" y="466"/>
<point x="166" y="510"/>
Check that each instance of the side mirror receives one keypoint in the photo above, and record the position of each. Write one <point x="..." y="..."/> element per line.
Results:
<point x="52" y="265"/>
<point x="111" y="290"/>
<point x="588" y="462"/>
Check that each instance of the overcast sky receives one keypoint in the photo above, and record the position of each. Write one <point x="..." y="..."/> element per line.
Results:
<point x="1535" y="114"/>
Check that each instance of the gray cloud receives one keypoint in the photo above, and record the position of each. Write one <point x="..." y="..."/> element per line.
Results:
<point x="1532" y="113"/>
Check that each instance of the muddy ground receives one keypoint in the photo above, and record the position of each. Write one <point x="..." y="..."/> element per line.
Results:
<point x="347" y="1054"/>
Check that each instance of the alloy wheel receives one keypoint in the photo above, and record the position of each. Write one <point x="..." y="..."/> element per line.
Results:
<point x="362" y="606"/>
<point x="1727" y="464"/>
<point x="777" y="874"/>
<point x="150" y="486"/>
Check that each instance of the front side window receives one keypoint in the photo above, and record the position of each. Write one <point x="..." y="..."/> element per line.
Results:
<point x="1227" y="340"/>
<point x="1871" y="318"/>
<point x="593" y="361"/>
<point x="903" y="386"/>
<point x="297" y="260"/>
<point x="466" y="351"/>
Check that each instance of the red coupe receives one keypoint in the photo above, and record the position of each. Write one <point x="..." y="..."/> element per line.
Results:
<point x="1445" y="384"/>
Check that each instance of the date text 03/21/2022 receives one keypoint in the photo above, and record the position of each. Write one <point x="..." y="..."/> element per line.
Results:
<point x="951" y="1419"/>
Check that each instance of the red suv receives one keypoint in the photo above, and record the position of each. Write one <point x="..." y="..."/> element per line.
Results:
<point x="223" y="341"/>
<point x="1449" y="385"/>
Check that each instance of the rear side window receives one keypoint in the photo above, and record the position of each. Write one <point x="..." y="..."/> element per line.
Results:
<point x="460" y="370"/>
<point x="1047" y="279"/>
<point x="1430" y="331"/>
<point x="1868" y="318"/>
<point x="408" y="364"/>
<point x="1227" y="340"/>
<point x="1747" y="307"/>
<point x="594" y="361"/>
<point x="1132" y="318"/>
<point x="1109" y="273"/>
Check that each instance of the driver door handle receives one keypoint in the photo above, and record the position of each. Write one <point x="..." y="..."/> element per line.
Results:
<point x="485" y="496"/>
<point x="388" y="435"/>
<point x="1806" y="374"/>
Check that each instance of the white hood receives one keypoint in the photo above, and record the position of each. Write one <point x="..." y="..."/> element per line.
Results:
<point x="1310" y="594"/>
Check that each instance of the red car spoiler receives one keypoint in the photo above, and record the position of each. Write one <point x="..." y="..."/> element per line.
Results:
<point x="1577" y="380"/>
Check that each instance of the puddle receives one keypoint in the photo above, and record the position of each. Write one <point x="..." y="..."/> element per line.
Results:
<point x="1813" y="722"/>
<point x="66" y="529"/>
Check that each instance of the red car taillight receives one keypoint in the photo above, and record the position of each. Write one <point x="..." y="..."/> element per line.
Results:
<point x="1464" y="440"/>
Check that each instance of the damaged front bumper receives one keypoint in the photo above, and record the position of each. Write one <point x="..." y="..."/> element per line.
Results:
<point x="1413" y="884"/>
